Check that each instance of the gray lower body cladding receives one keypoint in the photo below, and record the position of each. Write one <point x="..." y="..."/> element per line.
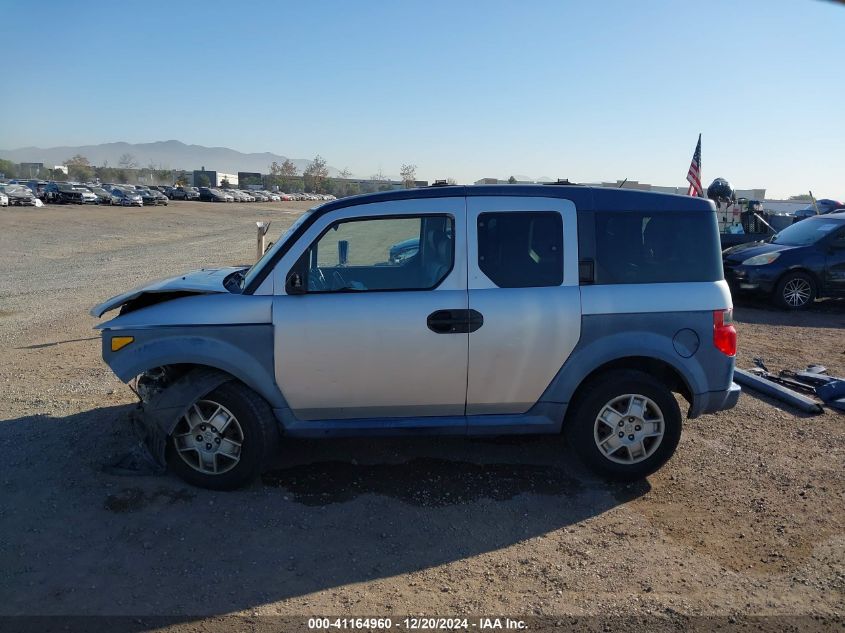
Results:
<point x="682" y="340"/>
<point x="243" y="350"/>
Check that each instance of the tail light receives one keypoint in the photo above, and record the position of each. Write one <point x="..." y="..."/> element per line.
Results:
<point x="724" y="332"/>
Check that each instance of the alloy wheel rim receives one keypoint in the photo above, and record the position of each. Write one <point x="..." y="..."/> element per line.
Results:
<point x="209" y="438"/>
<point x="796" y="292"/>
<point x="629" y="429"/>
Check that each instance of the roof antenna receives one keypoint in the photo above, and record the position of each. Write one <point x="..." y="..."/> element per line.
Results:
<point x="622" y="184"/>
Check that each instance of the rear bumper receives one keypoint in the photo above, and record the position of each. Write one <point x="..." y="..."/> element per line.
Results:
<point x="713" y="401"/>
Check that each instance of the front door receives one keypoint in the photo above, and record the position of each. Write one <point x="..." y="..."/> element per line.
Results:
<point x="376" y="331"/>
<point x="834" y="276"/>
<point x="523" y="281"/>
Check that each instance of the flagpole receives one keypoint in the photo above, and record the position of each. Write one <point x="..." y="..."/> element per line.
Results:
<point x="700" y="179"/>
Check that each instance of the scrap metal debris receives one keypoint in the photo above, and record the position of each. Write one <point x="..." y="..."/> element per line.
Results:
<point x="790" y="386"/>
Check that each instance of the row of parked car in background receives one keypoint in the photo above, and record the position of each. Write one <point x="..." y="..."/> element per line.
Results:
<point x="25" y="193"/>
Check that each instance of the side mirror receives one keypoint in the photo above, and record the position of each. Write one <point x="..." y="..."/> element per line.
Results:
<point x="294" y="285"/>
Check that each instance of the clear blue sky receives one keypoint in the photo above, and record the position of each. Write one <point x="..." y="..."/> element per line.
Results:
<point x="583" y="90"/>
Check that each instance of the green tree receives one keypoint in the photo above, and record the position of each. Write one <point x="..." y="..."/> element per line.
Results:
<point x="202" y="181"/>
<point x="288" y="169"/>
<point x="315" y="174"/>
<point x="224" y="183"/>
<point x="79" y="168"/>
<point x="8" y="168"/>
<point x="283" y="175"/>
<point x="56" y="174"/>
<point x="512" y="180"/>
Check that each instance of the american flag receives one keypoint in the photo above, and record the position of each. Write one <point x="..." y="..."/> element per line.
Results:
<point x="694" y="173"/>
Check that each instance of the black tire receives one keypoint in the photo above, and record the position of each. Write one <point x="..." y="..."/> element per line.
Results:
<point x="260" y="440"/>
<point x="580" y="424"/>
<point x="788" y="293"/>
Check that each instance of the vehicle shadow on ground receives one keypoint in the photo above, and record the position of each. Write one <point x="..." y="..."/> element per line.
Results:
<point x="331" y="514"/>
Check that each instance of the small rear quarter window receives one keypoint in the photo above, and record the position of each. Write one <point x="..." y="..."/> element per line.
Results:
<point x="657" y="247"/>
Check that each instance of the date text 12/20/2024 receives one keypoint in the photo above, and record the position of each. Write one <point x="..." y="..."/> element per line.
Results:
<point x="417" y="624"/>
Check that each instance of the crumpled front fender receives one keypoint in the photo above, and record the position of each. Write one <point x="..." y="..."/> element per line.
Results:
<point x="156" y="418"/>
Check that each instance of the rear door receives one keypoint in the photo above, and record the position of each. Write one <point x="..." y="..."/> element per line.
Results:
<point x="523" y="281"/>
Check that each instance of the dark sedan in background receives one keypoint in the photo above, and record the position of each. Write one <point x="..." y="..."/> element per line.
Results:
<point x="796" y="266"/>
<point x="62" y="193"/>
<point x="211" y="194"/>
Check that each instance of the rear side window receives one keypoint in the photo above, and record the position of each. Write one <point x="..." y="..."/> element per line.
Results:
<point x="521" y="249"/>
<point x="665" y="247"/>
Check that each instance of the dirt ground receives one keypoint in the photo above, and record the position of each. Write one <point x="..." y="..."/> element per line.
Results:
<point x="746" y="519"/>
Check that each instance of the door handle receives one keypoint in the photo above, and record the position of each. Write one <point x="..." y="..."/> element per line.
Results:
<point x="454" y="321"/>
<point x="441" y="322"/>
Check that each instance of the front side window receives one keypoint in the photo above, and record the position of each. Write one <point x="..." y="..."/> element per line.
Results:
<point x="521" y="249"/>
<point x="376" y="254"/>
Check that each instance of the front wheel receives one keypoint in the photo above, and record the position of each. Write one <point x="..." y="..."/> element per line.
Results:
<point x="224" y="439"/>
<point x="625" y="425"/>
<point x="795" y="291"/>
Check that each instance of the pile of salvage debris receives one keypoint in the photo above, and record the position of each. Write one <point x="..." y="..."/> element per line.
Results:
<point x="791" y="386"/>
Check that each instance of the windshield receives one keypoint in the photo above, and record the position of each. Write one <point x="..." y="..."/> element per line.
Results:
<point x="268" y="254"/>
<point x="806" y="232"/>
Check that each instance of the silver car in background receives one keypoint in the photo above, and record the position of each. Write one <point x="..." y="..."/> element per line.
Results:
<point x="126" y="198"/>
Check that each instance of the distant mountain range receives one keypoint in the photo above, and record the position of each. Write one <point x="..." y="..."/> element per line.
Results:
<point x="162" y="154"/>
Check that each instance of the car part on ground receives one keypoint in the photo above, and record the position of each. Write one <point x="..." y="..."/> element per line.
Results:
<point x="779" y="392"/>
<point x="813" y="381"/>
<point x="788" y="385"/>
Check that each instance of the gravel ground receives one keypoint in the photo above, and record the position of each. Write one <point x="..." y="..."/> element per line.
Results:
<point x="746" y="519"/>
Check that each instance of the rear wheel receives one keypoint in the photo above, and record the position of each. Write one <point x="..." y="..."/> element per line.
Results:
<point x="625" y="425"/>
<point x="224" y="438"/>
<point x="795" y="291"/>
